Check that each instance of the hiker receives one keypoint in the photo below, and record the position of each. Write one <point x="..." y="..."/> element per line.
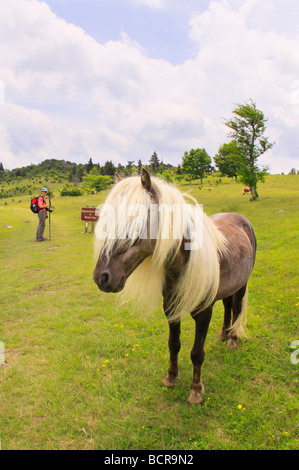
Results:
<point x="43" y="207"/>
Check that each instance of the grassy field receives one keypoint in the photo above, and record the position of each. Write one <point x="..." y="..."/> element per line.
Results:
<point x="81" y="372"/>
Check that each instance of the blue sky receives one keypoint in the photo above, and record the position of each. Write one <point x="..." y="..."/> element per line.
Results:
<point x="161" y="31"/>
<point x="119" y="79"/>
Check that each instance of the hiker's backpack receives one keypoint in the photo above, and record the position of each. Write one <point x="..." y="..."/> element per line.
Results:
<point x="33" y="205"/>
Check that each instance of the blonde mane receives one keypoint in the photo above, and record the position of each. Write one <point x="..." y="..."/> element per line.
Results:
<point x="199" y="280"/>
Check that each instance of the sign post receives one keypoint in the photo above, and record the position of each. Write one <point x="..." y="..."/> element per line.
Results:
<point x="89" y="214"/>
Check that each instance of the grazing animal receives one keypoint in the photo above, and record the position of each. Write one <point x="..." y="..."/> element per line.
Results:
<point x="246" y="190"/>
<point x="151" y="242"/>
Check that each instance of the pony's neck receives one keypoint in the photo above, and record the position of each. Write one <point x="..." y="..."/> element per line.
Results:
<point x="175" y="265"/>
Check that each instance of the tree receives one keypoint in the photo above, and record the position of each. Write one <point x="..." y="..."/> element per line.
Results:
<point x="196" y="163"/>
<point x="2" y="171"/>
<point x="247" y="129"/>
<point x="108" y="168"/>
<point x="229" y="160"/>
<point x="129" y="167"/>
<point x="89" y="165"/>
<point x="95" y="182"/>
<point x="75" y="175"/>
<point x="154" y="162"/>
<point x="120" y="169"/>
<point x="139" y="166"/>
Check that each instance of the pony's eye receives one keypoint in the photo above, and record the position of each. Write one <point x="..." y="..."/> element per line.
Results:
<point x="121" y="249"/>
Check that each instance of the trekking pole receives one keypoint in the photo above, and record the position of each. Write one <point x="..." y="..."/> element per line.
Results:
<point x="49" y="218"/>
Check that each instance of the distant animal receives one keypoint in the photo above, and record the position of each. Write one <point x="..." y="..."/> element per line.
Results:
<point x="151" y="242"/>
<point x="246" y="190"/>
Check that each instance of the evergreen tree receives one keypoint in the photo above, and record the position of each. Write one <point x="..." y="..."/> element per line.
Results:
<point x="89" y="165"/>
<point x="108" y="168"/>
<point x="154" y="163"/>
<point x="129" y="167"/>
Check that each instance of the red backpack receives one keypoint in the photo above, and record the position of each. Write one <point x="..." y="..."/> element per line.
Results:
<point x="34" y="205"/>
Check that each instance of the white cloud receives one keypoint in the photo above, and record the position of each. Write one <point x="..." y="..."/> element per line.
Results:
<point x="68" y="96"/>
<point x="157" y="4"/>
<point x="243" y="62"/>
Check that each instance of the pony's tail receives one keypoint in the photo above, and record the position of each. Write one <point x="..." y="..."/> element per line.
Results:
<point x="237" y="328"/>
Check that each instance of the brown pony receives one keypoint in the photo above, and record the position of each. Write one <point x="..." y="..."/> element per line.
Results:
<point x="151" y="242"/>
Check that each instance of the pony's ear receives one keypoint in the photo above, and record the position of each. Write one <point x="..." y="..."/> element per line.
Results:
<point x="118" y="177"/>
<point x="146" y="180"/>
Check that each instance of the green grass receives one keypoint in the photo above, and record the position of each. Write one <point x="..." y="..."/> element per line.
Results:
<point x="82" y="372"/>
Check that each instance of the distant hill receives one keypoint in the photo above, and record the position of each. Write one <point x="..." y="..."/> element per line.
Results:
<point x="47" y="167"/>
<point x="27" y="179"/>
<point x="73" y="171"/>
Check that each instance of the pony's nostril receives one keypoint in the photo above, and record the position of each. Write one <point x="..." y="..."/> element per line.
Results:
<point x="104" y="279"/>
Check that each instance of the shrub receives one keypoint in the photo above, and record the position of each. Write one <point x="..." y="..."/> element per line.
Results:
<point x="96" y="182"/>
<point x="70" y="191"/>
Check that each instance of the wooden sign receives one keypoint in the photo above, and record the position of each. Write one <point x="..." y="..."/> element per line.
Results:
<point x="90" y="214"/>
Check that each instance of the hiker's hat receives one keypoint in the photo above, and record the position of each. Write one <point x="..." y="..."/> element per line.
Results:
<point x="44" y="189"/>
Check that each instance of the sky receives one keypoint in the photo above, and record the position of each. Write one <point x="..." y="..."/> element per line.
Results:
<point x="119" y="79"/>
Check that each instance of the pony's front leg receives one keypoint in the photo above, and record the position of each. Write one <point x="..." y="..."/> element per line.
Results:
<point x="202" y="321"/>
<point x="227" y="303"/>
<point x="174" y="345"/>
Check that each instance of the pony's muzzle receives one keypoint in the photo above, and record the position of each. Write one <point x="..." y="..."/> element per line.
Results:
<point x="103" y="280"/>
<point x="106" y="282"/>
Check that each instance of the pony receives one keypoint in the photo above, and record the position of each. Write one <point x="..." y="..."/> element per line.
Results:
<point x="247" y="189"/>
<point x="152" y="241"/>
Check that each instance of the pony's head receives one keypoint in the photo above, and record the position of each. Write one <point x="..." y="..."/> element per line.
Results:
<point x="145" y="227"/>
<point x="123" y="233"/>
<point x="141" y="217"/>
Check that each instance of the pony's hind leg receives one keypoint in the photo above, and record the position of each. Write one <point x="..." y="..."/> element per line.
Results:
<point x="202" y="321"/>
<point x="227" y="303"/>
<point x="174" y="345"/>
<point x="239" y="306"/>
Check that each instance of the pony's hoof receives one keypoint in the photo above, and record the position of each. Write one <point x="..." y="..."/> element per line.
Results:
<point x="169" y="382"/>
<point x="232" y="344"/>
<point x="223" y="335"/>
<point x="195" y="398"/>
